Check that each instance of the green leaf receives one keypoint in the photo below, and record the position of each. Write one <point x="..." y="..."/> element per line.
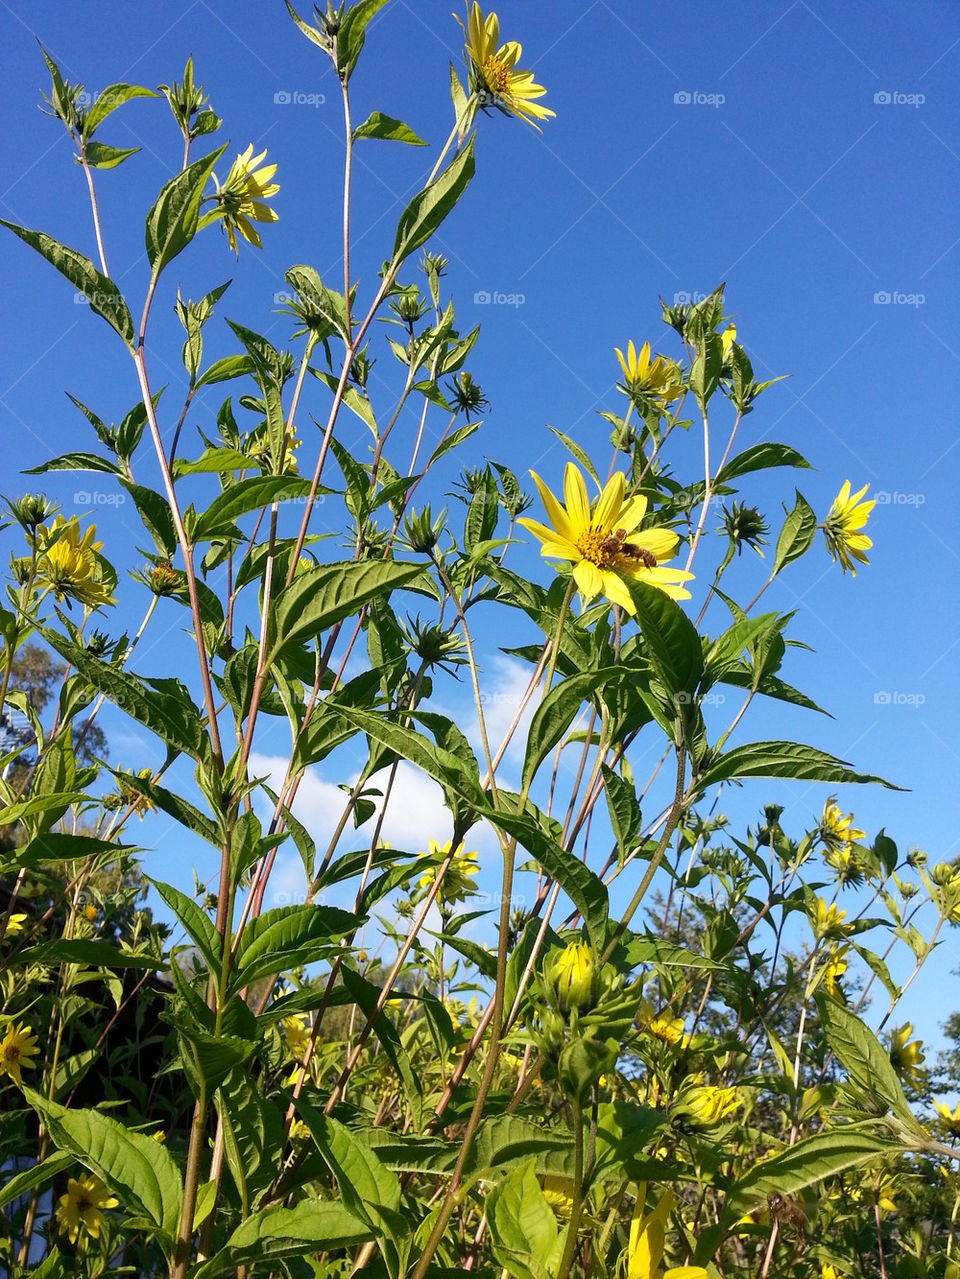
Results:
<point x="670" y="641"/>
<point x="811" y="1160"/>
<point x="797" y="534"/>
<point x="76" y="462"/>
<point x="37" y="1175"/>
<point x="100" y="156"/>
<point x="524" y="1234"/>
<point x="157" y="518"/>
<point x="107" y="100"/>
<point x="352" y="397"/>
<point x="196" y="922"/>
<point x="87" y="951"/>
<point x="378" y="125"/>
<point x="284" y="938"/>
<point x="172" y="222"/>
<point x="578" y="453"/>
<point x="352" y="33"/>
<point x="427" y="210"/>
<point x="760" y="457"/>
<point x="316" y="600"/>
<point x="252" y="1131"/>
<point x="223" y="370"/>
<point x="245" y="496"/>
<point x="56" y="847"/>
<point x="139" y="1171"/>
<point x="556" y="713"/>
<point x="865" y="1059"/>
<point x="102" y="294"/>
<point x="783" y="759"/>
<point x="277" y="1233"/>
<point x="706" y="369"/>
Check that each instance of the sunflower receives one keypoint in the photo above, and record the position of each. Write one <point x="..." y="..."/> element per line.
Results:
<point x="950" y="1117"/>
<point x="669" y="1030"/>
<point x="494" y="76"/>
<point x="843" y="528"/>
<point x="71" y="564"/>
<point x="571" y="975"/>
<point x="243" y="197"/>
<point x="907" y="1058"/>
<point x="81" y="1208"/>
<point x="603" y="542"/>
<point x="660" y="378"/>
<point x="827" y="920"/>
<point x="457" y="884"/>
<point x="709" y="1104"/>
<point x="17" y="1046"/>
<point x="838" y="831"/>
<point x="648" y="1239"/>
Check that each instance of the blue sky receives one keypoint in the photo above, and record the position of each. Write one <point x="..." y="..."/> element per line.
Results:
<point x="806" y="154"/>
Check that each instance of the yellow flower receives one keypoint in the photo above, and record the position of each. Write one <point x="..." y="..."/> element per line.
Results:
<point x="907" y="1058"/>
<point x="81" y="1208"/>
<point x="647" y="1239"/>
<point x="843" y="528"/>
<point x="17" y="1046"/>
<point x="835" y="967"/>
<point x="243" y="197"/>
<point x="883" y="1189"/>
<point x="837" y="831"/>
<point x="160" y="1137"/>
<point x="605" y="543"/>
<point x="296" y="1031"/>
<point x="457" y="884"/>
<point x="131" y="798"/>
<point x="494" y="75"/>
<point x="70" y="562"/>
<point x="558" y="1192"/>
<point x="727" y="339"/>
<point x="827" y="1271"/>
<point x="661" y="379"/>
<point x="15" y="925"/>
<point x="571" y="975"/>
<point x="661" y="1025"/>
<point x="828" y="920"/>
<point x="950" y="1117"/>
<point x="709" y="1104"/>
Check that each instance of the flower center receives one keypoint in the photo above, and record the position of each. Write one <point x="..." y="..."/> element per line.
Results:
<point x="595" y="545"/>
<point x="496" y="76"/>
<point x="11" y="1052"/>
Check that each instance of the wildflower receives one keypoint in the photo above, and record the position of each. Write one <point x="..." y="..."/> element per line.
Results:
<point x="745" y="526"/>
<point x="296" y="1032"/>
<point x="243" y="196"/>
<point x="15" y="924"/>
<point x="647" y="1239"/>
<point x="132" y="798"/>
<point x="558" y="1192"/>
<point x="571" y="976"/>
<point x="596" y="540"/>
<point x="669" y="1030"/>
<point x="835" y="967"/>
<point x="457" y="884"/>
<point x="70" y="563"/>
<point x="843" y="528"/>
<point x="828" y="1271"/>
<point x="884" y="1190"/>
<point x="466" y="395"/>
<point x="494" y="75"/>
<point x="837" y="831"/>
<point x="709" y="1104"/>
<point x="160" y="1137"/>
<point x="661" y="379"/>
<point x="727" y="339"/>
<point x="163" y="579"/>
<point x="90" y="913"/>
<point x="907" y="1057"/>
<point x="17" y="1046"/>
<point x="81" y="1208"/>
<point x="950" y="1117"/>
<point x="828" y="920"/>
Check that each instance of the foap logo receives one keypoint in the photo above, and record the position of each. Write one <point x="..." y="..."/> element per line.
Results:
<point x="98" y="497"/>
<point x="894" y="98"/>
<point x="297" y="98"/>
<point x="896" y="498"/>
<point x="684" y="298"/>
<point x="697" y="98"/>
<point x="897" y="297"/>
<point x="885" y="697"/>
<point x="486" y="297"/>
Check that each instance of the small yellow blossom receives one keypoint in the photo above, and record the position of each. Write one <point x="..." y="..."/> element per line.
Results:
<point x="15" y="924"/>
<point x="81" y="1208"/>
<point x="710" y="1104"/>
<point x="727" y="339"/>
<point x="835" y="967"/>
<point x="647" y="1241"/>
<point x="950" y="1117"/>
<point x="494" y="75"/>
<point x="604" y="542"/>
<point x="660" y="378"/>
<point x="70" y="562"/>
<point x="296" y="1032"/>
<point x="571" y="975"/>
<point x="843" y="528"/>
<point x="828" y="920"/>
<point x="836" y="830"/>
<point x="457" y="884"/>
<point x="907" y="1057"/>
<point x="558" y="1192"/>
<point x="828" y="1271"/>
<point x="243" y="197"/>
<point x="661" y="1025"/>
<point x="17" y="1046"/>
<point x="90" y="913"/>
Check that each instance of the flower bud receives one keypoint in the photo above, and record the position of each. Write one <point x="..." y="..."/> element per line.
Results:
<point x="571" y="976"/>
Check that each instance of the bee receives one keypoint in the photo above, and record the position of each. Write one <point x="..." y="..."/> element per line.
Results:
<point x="784" y="1209"/>
<point x="616" y="544"/>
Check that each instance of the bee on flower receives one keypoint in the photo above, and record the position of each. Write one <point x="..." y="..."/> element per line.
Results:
<point x="843" y="528"/>
<point x="17" y="1046"/>
<point x="242" y="199"/>
<point x="81" y="1209"/>
<point x="605" y="542"/>
<point x="494" y="77"/>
